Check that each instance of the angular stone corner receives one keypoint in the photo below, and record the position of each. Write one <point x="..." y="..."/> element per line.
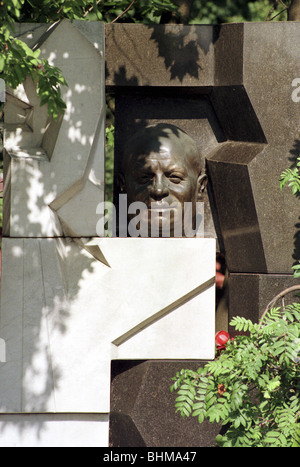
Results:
<point x="68" y="307"/>
<point x="259" y="223"/>
<point x="246" y="72"/>
<point x="45" y="159"/>
<point x="140" y="394"/>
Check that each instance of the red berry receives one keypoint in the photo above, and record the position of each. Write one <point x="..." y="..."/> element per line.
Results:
<point x="221" y="338"/>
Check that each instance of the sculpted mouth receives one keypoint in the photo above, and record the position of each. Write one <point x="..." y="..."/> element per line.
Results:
<point x="160" y="207"/>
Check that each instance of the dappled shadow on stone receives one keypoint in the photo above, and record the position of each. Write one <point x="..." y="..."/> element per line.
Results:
<point x="160" y="55"/>
<point x="181" y="48"/>
<point x="43" y="268"/>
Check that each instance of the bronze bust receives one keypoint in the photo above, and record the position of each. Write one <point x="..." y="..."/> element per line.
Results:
<point x="163" y="171"/>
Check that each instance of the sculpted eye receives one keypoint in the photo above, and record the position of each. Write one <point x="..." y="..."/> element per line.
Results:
<point x="145" y="178"/>
<point x="175" y="178"/>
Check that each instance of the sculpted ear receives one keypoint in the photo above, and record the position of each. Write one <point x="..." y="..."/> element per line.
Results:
<point x="201" y="185"/>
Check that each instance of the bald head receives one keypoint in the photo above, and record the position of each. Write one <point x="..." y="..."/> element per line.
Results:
<point x="162" y="169"/>
<point x="158" y="139"/>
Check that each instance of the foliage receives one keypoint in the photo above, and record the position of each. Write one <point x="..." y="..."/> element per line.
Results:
<point x="291" y="177"/>
<point x="142" y="11"/>
<point x="44" y="11"/>
<point x="18" y="61"/>
<point x="252" y="388"/>
<point x="296" y="269"/>
<point x="233" y="11"/>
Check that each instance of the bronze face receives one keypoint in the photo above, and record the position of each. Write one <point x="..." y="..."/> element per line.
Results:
<point x="162" y="169"/>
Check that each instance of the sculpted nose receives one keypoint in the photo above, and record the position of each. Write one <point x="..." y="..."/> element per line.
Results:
<point x="159" y="188"/>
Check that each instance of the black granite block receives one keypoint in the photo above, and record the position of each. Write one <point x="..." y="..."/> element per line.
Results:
<point x="143" y="408"/>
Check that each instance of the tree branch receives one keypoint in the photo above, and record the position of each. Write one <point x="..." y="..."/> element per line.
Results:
<point x="275" y="299"/>
<point x="272" y="9"/>
<point x="124" y="12"/>
<point x="91" y="9"/>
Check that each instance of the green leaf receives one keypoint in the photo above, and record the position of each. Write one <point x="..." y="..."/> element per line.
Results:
<point x="2" y="63"/>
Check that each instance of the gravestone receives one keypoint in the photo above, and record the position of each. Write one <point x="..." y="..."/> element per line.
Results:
<point x="72" y="301"/>
<point x="241" y="109"/>
<point x="233" y="87"/>
<point x="50" y="169"/>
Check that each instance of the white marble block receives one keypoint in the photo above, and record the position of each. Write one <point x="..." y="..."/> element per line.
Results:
<point x="54" y="430"/>
<point x="69" y="307"/>
<point x="54" y="171"/>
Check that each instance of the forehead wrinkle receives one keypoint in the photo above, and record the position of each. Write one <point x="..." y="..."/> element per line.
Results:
<point x="181" y="146"/>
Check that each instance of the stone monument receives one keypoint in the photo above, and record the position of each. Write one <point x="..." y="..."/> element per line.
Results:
<point x="231" y="88"/>
<point x="73" y="301"/>
<point x="79" y="309"/>
<point x="162" y="168"/>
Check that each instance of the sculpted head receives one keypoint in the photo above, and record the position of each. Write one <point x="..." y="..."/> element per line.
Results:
<point x="162" y="168"/>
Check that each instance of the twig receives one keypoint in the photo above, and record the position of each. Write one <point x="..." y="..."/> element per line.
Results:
<point x="272" y="9"/>
<point x="275" y="4"/>
<point x="279" y="13"/>
<point x="274" y="300"/>
<point x="282" y="3"/>
<point x="124" y="12"/>
<point x="91" y="9"/>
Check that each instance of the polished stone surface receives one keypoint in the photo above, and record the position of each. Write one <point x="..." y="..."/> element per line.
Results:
<point x="162" y="55"/>
<point x="192" y="113"/>
<point x="143" y="409"/>
<point x="257" y="207"/>
<point x="256" y="291"/>
<point x="245" y="72"/>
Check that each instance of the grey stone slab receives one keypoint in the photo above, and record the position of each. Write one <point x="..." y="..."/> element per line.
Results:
<point x="229" y="54"/>
<point x="237" y="216"/>
<point x="270" y="58"/>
